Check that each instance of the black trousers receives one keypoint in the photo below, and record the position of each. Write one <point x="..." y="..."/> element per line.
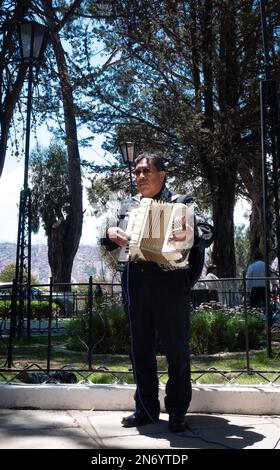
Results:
<point x="157" y="301"/>
<point x="257" y="297"/>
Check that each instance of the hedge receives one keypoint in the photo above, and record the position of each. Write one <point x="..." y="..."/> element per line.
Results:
<point x="212" y="330"/>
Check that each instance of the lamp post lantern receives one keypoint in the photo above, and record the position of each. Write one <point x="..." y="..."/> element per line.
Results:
<point x="32" y="39"/>
<point x="128" y="152"/>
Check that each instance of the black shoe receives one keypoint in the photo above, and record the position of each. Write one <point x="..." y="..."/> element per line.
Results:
<point x="139" y="418"/>
<point x="177" y="422"/>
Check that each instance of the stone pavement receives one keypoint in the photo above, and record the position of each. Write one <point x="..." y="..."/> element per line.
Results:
<point x="84" y="429"/>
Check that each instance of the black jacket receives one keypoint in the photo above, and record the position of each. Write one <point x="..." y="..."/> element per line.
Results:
<point x="203" y="230"/>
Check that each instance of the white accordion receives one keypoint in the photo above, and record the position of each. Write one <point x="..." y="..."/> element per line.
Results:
<point x="150" y="229"/>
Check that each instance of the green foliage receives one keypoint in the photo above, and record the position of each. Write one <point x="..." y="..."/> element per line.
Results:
<point x="214" y="330"/>
<point x="109" y="330"/>
<point x="5" y="308"/>
<point x="39" y="309"/>
<point x="8" y="274"/>
<point x="242" y="248"/>
<point x="50" y="186"/>
<point x="105" y="191"/>
<point x="191" y="93"/>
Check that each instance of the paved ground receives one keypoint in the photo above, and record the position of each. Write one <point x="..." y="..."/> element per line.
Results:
<point x="72" y="429"/>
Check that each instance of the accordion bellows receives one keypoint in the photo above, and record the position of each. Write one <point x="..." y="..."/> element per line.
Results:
<point x="150" y="228"/>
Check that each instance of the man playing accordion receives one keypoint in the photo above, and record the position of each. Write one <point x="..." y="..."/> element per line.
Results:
<point x="156" y="300"/>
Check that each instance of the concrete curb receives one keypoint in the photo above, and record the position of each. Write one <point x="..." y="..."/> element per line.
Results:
<point x="241" y="399"/>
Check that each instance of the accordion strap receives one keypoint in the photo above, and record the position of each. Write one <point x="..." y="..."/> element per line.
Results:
<point x="183" y="199"/>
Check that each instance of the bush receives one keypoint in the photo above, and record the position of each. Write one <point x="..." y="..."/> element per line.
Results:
<point x="5" y="306"/>
<point x="39" y="309"/>
<point x="214" y="330"/>
<point x="109" y="331"/>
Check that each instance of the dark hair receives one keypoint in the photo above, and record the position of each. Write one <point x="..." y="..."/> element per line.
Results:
<point x="211" y="268"/>
<point x="258" y="256"/>
<point x="153" y="158"/>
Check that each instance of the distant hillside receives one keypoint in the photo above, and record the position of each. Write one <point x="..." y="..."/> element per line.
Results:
<point x="87" y="262"/>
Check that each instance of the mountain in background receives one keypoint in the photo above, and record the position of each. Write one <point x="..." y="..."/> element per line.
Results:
<point x="87" y="262"/>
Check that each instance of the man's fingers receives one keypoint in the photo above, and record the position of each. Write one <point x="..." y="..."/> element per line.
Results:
<point x="121" y="240"/>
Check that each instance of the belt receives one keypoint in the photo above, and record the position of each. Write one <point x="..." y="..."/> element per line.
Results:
<point x="148" y="266"/>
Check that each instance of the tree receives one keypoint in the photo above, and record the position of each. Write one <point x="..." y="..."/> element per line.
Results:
<point x="12" y="71"/>
<point x="178" y="77"/>
<point x="51" y="203"/>
<point x="8" y="274"/>
<point x="187" y="85"/>
<point x="242" y="246"/>
<point x="64" y="235"/>
<point x="164" y="92"/>
<point x="104" y="195"/>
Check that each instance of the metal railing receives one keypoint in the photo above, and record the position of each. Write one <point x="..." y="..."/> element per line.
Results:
<point x="43" y="328"/>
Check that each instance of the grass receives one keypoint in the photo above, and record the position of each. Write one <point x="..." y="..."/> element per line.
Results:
<point x="258" y="361"/>
<point x="205" y="369"/>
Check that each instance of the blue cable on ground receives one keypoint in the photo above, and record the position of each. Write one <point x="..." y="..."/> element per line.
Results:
<point x="128" y="303"/>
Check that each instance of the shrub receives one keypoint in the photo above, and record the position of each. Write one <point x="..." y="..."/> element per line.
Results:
<point x="206" y="331"/>
<point x="39" y="309"/>
<point x="5" y="308"/>
<point x="109" y="331"/>
<point x="214" y="330"/>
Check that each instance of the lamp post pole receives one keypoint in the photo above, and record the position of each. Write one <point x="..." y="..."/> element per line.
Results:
<point x="130" y="177"/>
<point x="128" y="152"/>
<point x="32" y="40"/>
<point x="270" y="146"/>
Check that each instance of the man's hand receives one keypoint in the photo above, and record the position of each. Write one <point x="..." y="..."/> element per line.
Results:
<point x="118" y="236"/>
<point x="182" y="232"/>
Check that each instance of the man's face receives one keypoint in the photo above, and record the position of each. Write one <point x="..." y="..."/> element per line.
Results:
<point x="149" y="180"/>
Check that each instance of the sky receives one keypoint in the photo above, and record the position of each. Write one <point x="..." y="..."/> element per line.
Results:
<point x="11" y="183"/>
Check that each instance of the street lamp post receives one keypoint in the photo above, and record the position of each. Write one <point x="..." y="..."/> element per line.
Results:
<point x="32" y="39"/>
<point x="128" y="154"/>
<point x="270" y="139"/>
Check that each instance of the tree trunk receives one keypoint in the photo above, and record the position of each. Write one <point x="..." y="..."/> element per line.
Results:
<point x="251" y="178"/>
<point x="65" y="235"/>
<point x="7" y="113"/>
<point x="256" y="237"/>
<point x="223" y="196"/>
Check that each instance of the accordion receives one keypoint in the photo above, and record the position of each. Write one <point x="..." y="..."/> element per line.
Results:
<point x="150" y="229"/>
